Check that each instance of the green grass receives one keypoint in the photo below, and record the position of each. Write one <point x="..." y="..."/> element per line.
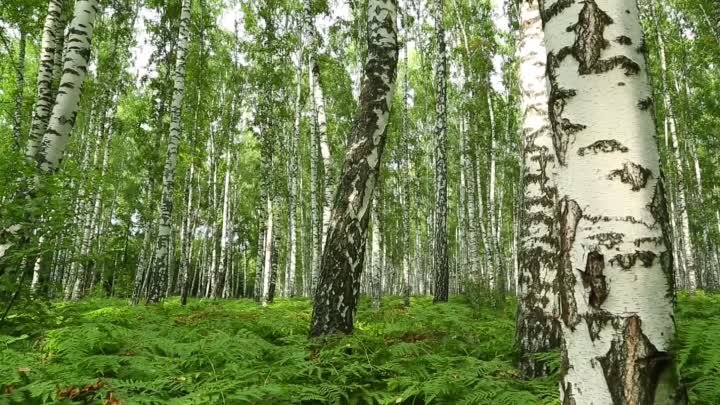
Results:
<point x="235" y="352"/>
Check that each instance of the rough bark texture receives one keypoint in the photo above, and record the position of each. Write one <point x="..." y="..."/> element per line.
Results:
<point x="342" y="261"/>
<point x="67" y="103"/>
<point x="440" y="253"/>
<point x="44" y="99"/>
<point x="161" y="266"/>
<point x="615" y="272"/>
<point x="537" y="329"/>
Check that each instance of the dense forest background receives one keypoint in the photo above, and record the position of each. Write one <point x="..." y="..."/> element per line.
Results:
<point x="202" y="159"/>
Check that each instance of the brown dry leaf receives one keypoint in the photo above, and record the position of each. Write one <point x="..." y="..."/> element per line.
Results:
<point x="112" y="400"/>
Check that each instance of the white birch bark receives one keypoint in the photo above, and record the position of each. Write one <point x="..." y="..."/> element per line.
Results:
<point x="19" y="87"/>
<point x="67" y="102"/>
<point x="321" y="127"/>
<point x="375" y="257"/>
<point x="440" y="251"/>
<point x="224" y="233"/>
<point x="343" y="257"/>
<point x="292" y="197"/>
<point x="162" y="251"/>
<point x="407" y="285"/>
<point x="537" y="328"/>
<point x="615" y="273"/>
<point x="44" y="99"/>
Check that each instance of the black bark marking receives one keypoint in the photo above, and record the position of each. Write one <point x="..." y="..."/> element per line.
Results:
<point x="633" y="174"/>
<point x="552" y="11"/>
<point x="568" y="398"/>
<point x="646" y="103"/>
<point x="562" y="128"/>
<point x="658" y="209"/>
<point x="609" y="239"/>
<point x="633" y="365"/>
<point x="594" y="279"/>
<point x="627" y="261"/>
<point x="596" y="322"/>
<point x="570" y="215"/>
<point x="656" y="240"/>
<point x="603" y="146"/>
<point x="590" y="42"/>
<point x="623" y="40"/>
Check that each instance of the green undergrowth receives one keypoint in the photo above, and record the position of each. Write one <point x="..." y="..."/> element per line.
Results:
<point x="235" y="352"/>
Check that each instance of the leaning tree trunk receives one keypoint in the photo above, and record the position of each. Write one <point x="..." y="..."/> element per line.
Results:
<point x="537" y="330"/>
<point x="67" y="102"/>
<point x="342" y="261"/>
<point x="440" y="254"/>
<point x="615" y="281"/>
<point x="161" y="266"/>
<point x="44" y="101"/>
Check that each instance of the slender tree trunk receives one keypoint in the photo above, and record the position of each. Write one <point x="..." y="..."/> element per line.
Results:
<point x="19" y="87"/>
<point x="407" y="286"/>
<point x="342" y="262"/>
<point x="162" y="265"/>
<point x="537" y="329"/>
<point x="292" y="197"/>
<point x="224" y="234"/>
<point x="321" y="126"/>
<point x="375" y="257"/>
<point x="44" y="99"/>
<point x="615" y="281"/>
<point x="187" y="239"/>
<point x="440" y="253"/>
<point x="315" y="223"/>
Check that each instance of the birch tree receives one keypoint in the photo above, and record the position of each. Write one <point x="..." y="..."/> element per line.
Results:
<point x="537" y="329"/>
<point x="162" y="250"/>
<point x="440" y="254"/>
<point x="615" y="280"/>
<point x="342" y="261"/>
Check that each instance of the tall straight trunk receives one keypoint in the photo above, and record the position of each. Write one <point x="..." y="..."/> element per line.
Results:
<point x="537" y="330"/>
<point x="406" y="281"/>
<point x="224" y="233"/>
<point x="315" y="223"/>
<point x="342" y="261"/>
<point x="375" y="257"/>
<point x="440" y="252"/>
<point x="615" y="277"/>
<point x="321" y="127"/>
<point x="19" y="87"/>
<point x="681" y="199"/>
<point x="188" y="233"/>
<point x="267" y="296"/>
<point x="213" y="277"/>
<point x="292" y="195"/>
<point x="67" y="103"/>
<point x="49" y="42"/>
<point x="161" y="267"/>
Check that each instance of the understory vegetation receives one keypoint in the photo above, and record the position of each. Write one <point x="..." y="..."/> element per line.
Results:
<point x="103" y="351"/>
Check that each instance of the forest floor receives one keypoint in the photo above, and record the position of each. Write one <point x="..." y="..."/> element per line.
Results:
<point x="102" y="351"/>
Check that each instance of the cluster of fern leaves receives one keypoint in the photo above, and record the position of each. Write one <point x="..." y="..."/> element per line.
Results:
<point x="235" y="352"/>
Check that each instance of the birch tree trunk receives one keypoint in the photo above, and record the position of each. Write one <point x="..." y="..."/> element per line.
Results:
<point x="315" y="223"/>
<point x="321" y="127"/>
<point x="19" y="87"/>
<point x="375" y="257"/>
<point x="537" y="330"/>
<point x="407" y="287"/>
<point x="67" y="103"/>
<point x="615" y="281"/>
<point x="44" y="99"/>
<point x="342" y="261"/>
<point x="188" y="237"/>
<point x="161" y="266"/>
<point x="440" y="253"/>
<point x="292" y="197"/>
<point x="223" y="268"/>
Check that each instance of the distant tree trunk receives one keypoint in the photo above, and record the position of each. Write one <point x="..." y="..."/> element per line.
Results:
<point x="321" y="127"/>
<point x="267" y="293"/>
<point x="440" y="263"/>
<point x="537" y="330"/>
<point x="375" y="260"/>
<point x="223" y="268"/>
<point x="44" y="99"/>
<point x="614" y="278"/>
<point x="292" y="197"/>
<point x="342" y="261"/>
<point x="407" y="287"/>
<point x="19" y="87"/>
<point x="315" y="221"/>
<point x="188" y="237"/>
<point x="161" y="266"/>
